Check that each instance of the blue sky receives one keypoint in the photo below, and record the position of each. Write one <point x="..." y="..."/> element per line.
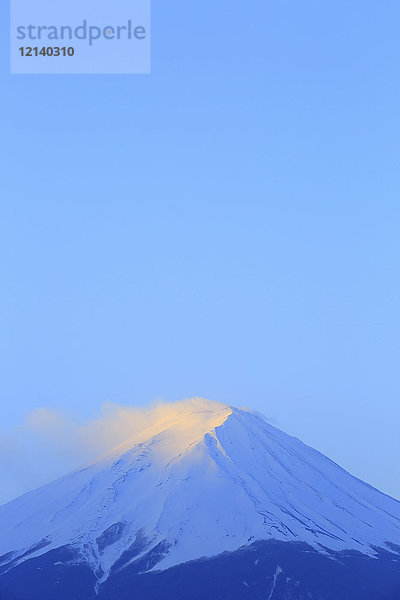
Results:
<point x="226" y="227"/>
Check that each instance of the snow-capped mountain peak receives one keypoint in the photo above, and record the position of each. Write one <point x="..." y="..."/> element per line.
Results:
<point x="203" y="479"/>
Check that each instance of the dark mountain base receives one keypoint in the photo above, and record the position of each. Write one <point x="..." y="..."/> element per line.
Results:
<point x="264" y="571"/>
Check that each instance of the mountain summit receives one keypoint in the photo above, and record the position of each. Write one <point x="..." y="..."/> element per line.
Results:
<point x="206" y="481"/>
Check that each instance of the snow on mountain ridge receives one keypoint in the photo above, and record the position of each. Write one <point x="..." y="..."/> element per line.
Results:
<point x="203" y="479"/>
<point x="190" y="419"/>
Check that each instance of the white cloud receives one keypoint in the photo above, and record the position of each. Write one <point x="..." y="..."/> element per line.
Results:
<point x="49" y="443"/>
<point x="115" y="425"/>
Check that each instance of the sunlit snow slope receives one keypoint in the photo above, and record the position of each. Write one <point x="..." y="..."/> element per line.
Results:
<point x="204" y="479"/>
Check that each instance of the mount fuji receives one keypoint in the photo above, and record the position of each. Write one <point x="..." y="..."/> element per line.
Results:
<point x="210" y="502"/>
